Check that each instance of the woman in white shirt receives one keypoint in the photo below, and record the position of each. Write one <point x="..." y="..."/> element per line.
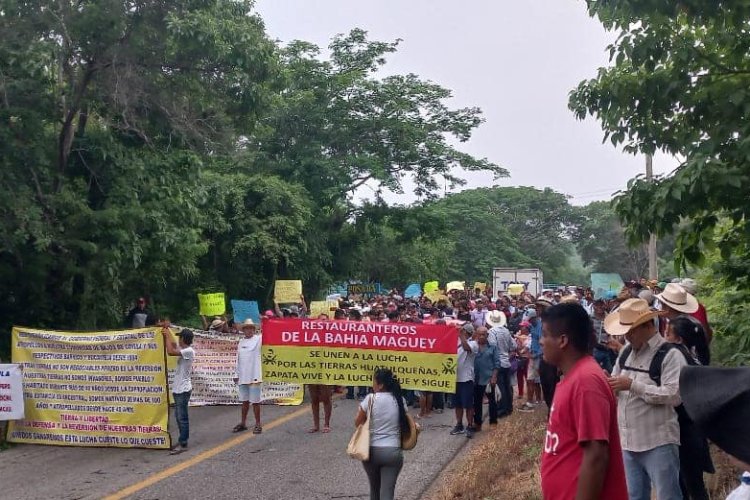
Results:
<point x="387" y="422"/>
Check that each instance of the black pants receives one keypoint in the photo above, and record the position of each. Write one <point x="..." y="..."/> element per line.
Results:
<point x="438" y="401"/>
<point x="478" y="402"/>
<point x="548" y="378"/>
<point x="505" y="407"/>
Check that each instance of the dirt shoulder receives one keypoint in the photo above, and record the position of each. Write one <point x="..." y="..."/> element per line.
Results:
<point x="503" y="463"/>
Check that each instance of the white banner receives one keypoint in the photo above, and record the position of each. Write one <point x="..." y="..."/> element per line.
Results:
<point x="11" y="392"/>
<point x="214" y="369"/>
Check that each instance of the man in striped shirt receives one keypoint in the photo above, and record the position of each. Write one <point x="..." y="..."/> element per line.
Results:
<point x="649" y="431"/>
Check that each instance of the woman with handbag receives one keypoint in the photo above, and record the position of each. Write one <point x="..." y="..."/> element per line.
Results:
<point x="384" y="411"/>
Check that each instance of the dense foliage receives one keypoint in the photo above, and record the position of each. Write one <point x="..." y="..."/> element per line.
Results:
<point x="678" y="83"/>
<point x="170" y="147"/>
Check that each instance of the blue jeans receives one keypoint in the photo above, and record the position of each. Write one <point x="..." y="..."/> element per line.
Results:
<point x="660" y="466"/>
<point x="181" y="415"/>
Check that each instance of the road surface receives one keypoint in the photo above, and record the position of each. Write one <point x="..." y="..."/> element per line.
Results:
<point x="285" y="462"/>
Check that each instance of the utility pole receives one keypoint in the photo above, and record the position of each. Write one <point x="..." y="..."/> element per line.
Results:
<point x="653" y="272"/>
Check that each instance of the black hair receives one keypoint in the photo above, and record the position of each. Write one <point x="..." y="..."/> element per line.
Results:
<point x="390" y="383"/>
<point x="393" y="316"/>
<point x="186" y="336"/>
<point x="355" y="314"/>
<point x="339" y="314"/>
<point x="571" y="319"/>
<point x="693" y="335"/>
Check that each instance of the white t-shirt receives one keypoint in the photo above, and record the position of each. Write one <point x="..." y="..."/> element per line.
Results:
<point x="385" y="430"/>
<point x="249" y="369"/>
<point x="182" y="382"/>
<point x="465" y="371"/>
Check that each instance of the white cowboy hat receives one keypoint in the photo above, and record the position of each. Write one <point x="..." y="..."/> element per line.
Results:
<point x="246" y="323"/>
<point x="675" y="297"/>
<point x="496" y="318"/>
<point x="632" y="313"/>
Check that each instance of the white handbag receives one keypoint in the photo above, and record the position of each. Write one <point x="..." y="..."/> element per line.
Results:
<point x="359" y="444"/>
<point x="498" y="394"/>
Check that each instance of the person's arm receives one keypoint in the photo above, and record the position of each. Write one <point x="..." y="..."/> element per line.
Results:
<point x="277" y="309"/>
<point x="128" y="323"/>
<point x="303" y="305"/>
<point x="205" y="322"/>
<point x="464" y="343"/>
<point x="495" y="366"/>
<point x="169" y="344"/>
<point x="361" y="417"/>
<point x="593" y="470"/>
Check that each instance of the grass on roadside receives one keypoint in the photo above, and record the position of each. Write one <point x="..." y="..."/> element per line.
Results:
<point x="504" y="464"/>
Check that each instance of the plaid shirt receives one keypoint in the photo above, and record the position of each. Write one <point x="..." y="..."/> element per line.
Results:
<point x="645" y="413"/>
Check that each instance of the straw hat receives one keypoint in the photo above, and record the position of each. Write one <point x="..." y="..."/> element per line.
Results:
<point x="543" y="301"/>
<point x="217" y="323"/>
<point x="675" y="297"/>
<point x="632" y="313"/>
<point x="496" y="318"/>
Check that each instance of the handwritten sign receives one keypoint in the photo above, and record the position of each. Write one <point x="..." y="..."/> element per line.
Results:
<point x="244" y="309"/>
<point x="431" y="286"/>
<point x="455" y="285"/>
<point x="516" y="289"/>
<point x="212" y="304"/>
<point x="480" y="286"/>
<point x="287" y="291"/>
<point x="366" y="289"/>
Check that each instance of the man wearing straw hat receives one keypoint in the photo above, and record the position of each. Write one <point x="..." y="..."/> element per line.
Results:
<point x="649" y="430"/>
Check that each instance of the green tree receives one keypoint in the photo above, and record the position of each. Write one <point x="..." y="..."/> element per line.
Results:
<point x="109" y="111"/>
<point x="678" y="83"/>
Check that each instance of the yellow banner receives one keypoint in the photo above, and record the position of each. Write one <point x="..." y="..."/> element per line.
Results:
<point x="345" y="366"/>
<point x="105" y="389"/>
<point x="287" y="291"/>
<point x="212" y="304"/>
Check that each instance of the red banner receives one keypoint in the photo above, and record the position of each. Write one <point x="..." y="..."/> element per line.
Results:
<point x="409" y="337"/>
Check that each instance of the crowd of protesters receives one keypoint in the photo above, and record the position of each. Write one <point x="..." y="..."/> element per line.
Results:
<point x="606" y="369"/>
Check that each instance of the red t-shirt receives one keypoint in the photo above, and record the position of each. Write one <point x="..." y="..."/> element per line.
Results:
<point x="584" y="409"/>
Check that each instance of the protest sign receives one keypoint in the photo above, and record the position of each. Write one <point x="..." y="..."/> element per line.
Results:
<point x="318" y="307"/>
<point x="287" y="291"/>
<point x="347" y="353"/>
<point x="480" y="286"/>
<point x="413" y="291"/>
<point x="214" y="368"/>
<point x="455" y="285"/>
<point x="516" y="289"/>
<point x="602" y="283"/>
<point x="11" y="392"/>
<point x="431" y="286"/>
<point x="364" y="289"/>
<point x="212" y="304"/>
<point x="92" y="388"/>
<point x="436" y="296"/>
<point x="243" y="309"/>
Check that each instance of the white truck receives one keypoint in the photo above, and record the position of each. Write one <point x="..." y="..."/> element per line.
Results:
<point x="531" y="279"/>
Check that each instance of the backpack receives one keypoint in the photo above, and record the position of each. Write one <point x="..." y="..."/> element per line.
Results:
<point x="654" y="369"/>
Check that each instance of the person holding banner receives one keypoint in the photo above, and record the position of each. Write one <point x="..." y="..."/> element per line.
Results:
<point x="249" y="375"/>
<point x="182" y="385"/>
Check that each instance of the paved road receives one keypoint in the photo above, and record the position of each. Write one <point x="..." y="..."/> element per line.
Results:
<point x="285" y="462"/>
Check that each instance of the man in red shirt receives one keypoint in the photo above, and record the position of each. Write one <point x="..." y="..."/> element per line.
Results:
<point x="582" y="457"/>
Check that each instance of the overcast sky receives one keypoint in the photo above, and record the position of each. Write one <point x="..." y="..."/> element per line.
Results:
<point x="516" y="60"/>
